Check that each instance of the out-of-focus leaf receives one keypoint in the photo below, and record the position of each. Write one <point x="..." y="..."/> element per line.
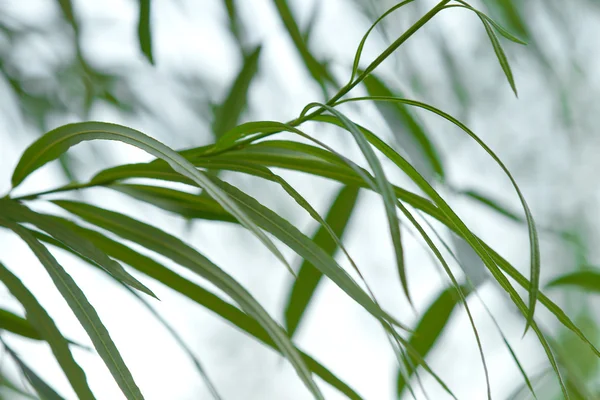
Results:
<point x="196" y="293"/>
<point x="156" y="240"/>
<point x="145" y="30"/>
<point x="20" y="213"/>
<point x="493" y="204"/>
<point x="45" y="327"/>
<point x="309" y="277"/>
<point x="67" y="10"/>
<point x="228" y="113"/>
<point x="315" y="68"/>
<point x="431" y="326"/>
<point x="409" y="132"/>
<point x="17" y="325"/>
<point x="58" y="141"/>
<point x="587" y="279"/>
<point x="42" y="388"/>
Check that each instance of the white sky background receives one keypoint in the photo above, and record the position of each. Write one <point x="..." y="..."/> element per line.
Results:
<point x="191" y="38"/>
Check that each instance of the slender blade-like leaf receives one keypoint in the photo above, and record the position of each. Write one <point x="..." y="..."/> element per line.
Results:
<point x="156" y="240"/>
<point x="587" y="279"/>
<point x="198" y="294"/>
<point x="58" y="141"/>
<point x="20" y="213"/>
<point x="85" y="313"/>
<point x="145" y="30"/>
<point x="46" y="329"/>
<point x="17" y="325"/>
<point x="309" y="277"/>
<point x="431" y="325"/>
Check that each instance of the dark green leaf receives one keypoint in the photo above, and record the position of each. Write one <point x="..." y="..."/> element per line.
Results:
<point x="85" y="313"/>
<point x="587" y="279"/>
<point x="45" y="327"/>
<point x="58" y="141"/>
<point x="17" y="325"/>
<point x="309" y="277"/>
<point x="431" y="326"/>
<point x="145" y="30"/>
<point x="20" y="213"/>
<point x="203" y="297"/>
<point x="156" y="240"/>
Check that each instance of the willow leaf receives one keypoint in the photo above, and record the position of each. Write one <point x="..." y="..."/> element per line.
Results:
<point x="500" y="54"/>
<point x="156" y="240"/>
<point x="20" y="326"/>
<point x="198" y="294"/>
<point x="58" y="141"/>
<point x="385" y="188"/>
<point x="85" y="313"/>
<point x="533" y="236"/>
<point x="20" y="213"/>
<point x="145" y="30"/>
<point x="587" y="279"/>
<point x="309" y="277"/>
<point x="315" y="68"/>
<point x="46" y="329"/>
<point x="431" y="325"/>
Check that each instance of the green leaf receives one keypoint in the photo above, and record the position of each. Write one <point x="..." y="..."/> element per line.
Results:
<point x="228" y="114"/>
<point x="42" y="388"/>
<point x="500" y="54"/>
<point x="145" y="30"/>
<point x="431" y="325"/>
<point x="587" y="279"/>
<point x="384" y="188"/>
<point x="46" y="329"/>
<point x="317" y="70"/>
<point x="169" y="246"/>
<point x="17" y="325"/>
<point x="493" y="204"/>
<point x="19" y="213"/>
<point x="309" y="277"/>
<point x="56" y="142"/>
<point x="196" y="293"/>
<point x="85" y="313"/>
<point x="424" y="185"/>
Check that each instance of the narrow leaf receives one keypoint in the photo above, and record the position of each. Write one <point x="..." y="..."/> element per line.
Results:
<point x="198" y="294"/>
<point x="45" y="327"/>
<point x="431" y="325"/>
<point x="156" y="240"/>
<point x="587" y="279"/>
<point x="85" y="313"/>
<point x="500" y="54"/>
<point x="145" y="30"/>
<point x="20" y="213"/>
<point x="17" y="325"/>
<point x="58" y="141"/>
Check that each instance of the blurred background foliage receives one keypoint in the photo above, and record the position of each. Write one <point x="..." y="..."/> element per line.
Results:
<point x="187" y="71"/>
